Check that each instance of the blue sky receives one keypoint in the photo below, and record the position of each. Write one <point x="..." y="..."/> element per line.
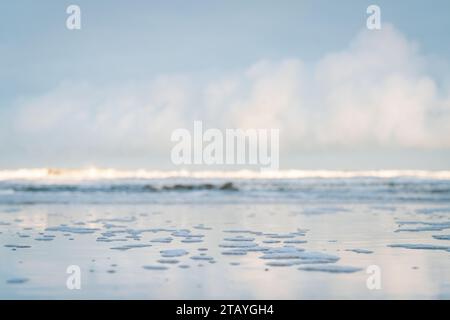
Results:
<point x="110" y="93"/>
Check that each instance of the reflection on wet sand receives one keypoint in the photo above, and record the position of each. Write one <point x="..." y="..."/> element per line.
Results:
<point x="127" y="251"/>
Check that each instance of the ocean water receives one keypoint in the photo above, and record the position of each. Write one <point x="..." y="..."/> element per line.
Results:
<point x="211" y="235"/>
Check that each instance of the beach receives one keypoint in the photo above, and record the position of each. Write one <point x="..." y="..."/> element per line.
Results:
<point x="309" y="238"/>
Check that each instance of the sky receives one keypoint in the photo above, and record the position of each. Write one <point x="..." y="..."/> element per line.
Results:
<point x="111" y="94"/>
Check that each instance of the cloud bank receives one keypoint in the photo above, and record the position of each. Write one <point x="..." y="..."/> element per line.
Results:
<point x="376" y="93"/>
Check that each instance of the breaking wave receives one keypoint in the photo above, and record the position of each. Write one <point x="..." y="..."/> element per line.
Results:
<point x="116" y="186"/>
<point x="111" y="174"/>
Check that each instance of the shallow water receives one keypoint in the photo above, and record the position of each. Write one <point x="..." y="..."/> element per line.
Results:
<point x="247" y="251"/>
<point x="244" y="238"/>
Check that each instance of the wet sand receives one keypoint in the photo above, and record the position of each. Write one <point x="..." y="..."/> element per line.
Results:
<point x="215" y="251"/>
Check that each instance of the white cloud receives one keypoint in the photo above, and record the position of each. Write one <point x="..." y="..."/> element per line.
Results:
<point x="375" y="93"/>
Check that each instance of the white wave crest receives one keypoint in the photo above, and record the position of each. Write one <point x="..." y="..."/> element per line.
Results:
<point x="111" y="174"/>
